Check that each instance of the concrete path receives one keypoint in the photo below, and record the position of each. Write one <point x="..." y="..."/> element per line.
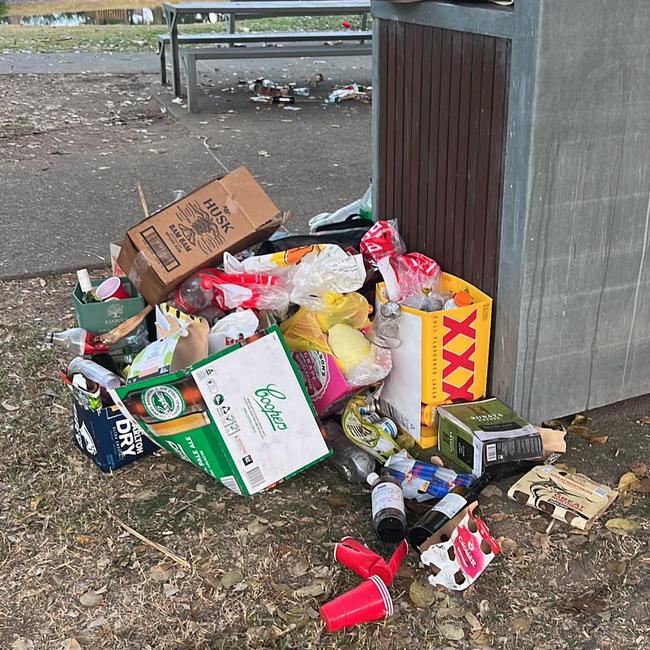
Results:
<point x="78" y="63"/>
<point x="78" y="146"/>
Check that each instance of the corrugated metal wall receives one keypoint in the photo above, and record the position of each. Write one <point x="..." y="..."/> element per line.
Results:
<point x="442" y="118"/>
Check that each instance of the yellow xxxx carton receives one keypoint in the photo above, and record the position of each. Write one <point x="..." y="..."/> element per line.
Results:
<point x="451" y="349"/>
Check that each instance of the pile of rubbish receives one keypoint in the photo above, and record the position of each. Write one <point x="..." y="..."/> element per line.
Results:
<point x="254" y="354"/>
<point x="267" y="91"/>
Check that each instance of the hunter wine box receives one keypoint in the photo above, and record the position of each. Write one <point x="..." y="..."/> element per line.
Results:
<point x="242" y="415"/>
<point x="227" y="214"/>
<point x="102" y="317"/>
<point x="478" y="435"/>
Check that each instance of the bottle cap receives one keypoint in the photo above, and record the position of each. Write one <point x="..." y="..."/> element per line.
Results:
<point x="85" y="283"/>
<point x="372" y="477"/>
<point x="462" y="298"/>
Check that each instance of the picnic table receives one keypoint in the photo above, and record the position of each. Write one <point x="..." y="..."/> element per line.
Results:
<point x="266" y="9"/>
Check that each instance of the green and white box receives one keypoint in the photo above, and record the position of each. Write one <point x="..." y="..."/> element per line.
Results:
<point x="242" y="415"/>
<point x="478" y="435"/>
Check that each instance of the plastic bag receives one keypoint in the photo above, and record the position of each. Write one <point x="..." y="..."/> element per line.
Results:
<point x="332" y="270"/>
<point x="326" y="218"/>
<point x="382" y="240"/>
<point x="302" y="333"/>
<point x="271" y="262"/>
<point x="362" y="362"/>
<point x="408" y="275"/>
<point x="232" y="328"/>
<point x="351" y="308"/>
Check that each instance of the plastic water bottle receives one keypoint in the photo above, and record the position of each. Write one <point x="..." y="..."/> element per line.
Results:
<point x="77" y="340"/>
<point x="351" y="461"/>
<point x="91" y="370"/>
<point x="459" y="299"/>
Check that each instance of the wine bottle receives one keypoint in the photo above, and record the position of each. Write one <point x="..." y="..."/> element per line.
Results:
<point x="445" y="510"/>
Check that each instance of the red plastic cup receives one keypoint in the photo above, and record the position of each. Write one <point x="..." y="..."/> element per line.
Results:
<point x="396" y="559"/>
<point x="360" y="559"/>
<point x="111" y="289"/>
<point x="368" y="602"/>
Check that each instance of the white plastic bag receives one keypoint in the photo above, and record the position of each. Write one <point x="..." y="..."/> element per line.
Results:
<point x="232" y="328"/>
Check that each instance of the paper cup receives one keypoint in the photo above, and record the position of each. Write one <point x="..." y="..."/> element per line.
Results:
<point x="111" y="289"/>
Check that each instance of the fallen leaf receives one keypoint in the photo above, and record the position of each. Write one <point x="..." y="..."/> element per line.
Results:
<point x="645" y="420"/>
<point x="217" y="506"/>
<point x="169" y="590"/>
<point x="639" y="468"/>
<point x="621" y="526"/>
<point x="263" y="153"/>
<point x="9" y="407"/>
<point x="145" y="495"/>
<point x="586" y="434"/>
<point x="421" y="594"/>
<point x="473" y="621"/>
<point x="337" y="501"/>
<point x="542" y="541"/>
<point x="257" y="526"/>
<point x="22" y="644"/>
<point x="519" y="625"/>
<point x="70" y="644"/>
<point x="160" y="573"/>
<point x="627" y="500"/>
<point x="491" y="491"/>
<point x="626" y="481"/>
<point x="33" y="504"/>
<point x="310" y="591"/>
<point x="588" y="603"/>
<point x="91" y="599"/>
<point x="642" y="486"/>
<point x="231" y="578"/>
<point x="299" y="568"/>
<point x="579" y="419"/>
<point x="615" y="567"/>
<point x="449" y="612"/>
<point x="483" y="608"/>
<point x="200" y="488"/>
<point x="451" y="631"/>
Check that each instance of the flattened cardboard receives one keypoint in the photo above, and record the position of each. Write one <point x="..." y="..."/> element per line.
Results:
<point x="227" y="214"/>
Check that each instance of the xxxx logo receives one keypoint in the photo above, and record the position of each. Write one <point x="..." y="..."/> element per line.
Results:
<point x="458" y="346"/>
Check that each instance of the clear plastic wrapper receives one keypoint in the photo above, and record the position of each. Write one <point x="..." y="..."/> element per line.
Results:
<point x="340" y="215"/>
<point x="316" y="275"/>
<point x="277" y="262"/>
<point x="232" y="328"/>
<point x="384" y="331"/>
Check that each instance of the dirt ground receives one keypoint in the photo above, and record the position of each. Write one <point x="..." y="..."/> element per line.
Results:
<point x="255" y="570"/>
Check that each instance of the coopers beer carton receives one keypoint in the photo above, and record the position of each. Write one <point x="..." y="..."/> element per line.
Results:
<point x="242" y="415"/>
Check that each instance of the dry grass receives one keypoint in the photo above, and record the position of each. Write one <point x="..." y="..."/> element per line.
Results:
<point x="59" y="542"/>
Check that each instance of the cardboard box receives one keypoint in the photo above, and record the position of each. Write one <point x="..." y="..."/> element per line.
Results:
<point x="571" y="498"/>
<point x="478" y="435"/>
<point x="249" y="430"/>
<point x="108" y="438"/>
<point x="451" y="347"/>
<point x="326" y="384"/>
<point x="227" y="214"/>
<point x="102" y="317"/>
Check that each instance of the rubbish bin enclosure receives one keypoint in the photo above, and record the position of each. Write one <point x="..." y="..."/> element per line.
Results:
<point x="513" y="145"/>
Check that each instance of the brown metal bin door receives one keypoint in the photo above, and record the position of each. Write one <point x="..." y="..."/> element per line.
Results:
<point x="442" y="127"/>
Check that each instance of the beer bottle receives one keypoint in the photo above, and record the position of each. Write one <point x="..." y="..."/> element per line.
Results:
<point x="445" y="510"/>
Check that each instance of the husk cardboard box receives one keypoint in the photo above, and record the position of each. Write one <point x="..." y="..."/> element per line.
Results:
<point x="102" y="317"/>
<point x="242" y="415"/>
<point x="451" y="348"/>
<point x="476" y="436"/>
<point x="229" y="213"/>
